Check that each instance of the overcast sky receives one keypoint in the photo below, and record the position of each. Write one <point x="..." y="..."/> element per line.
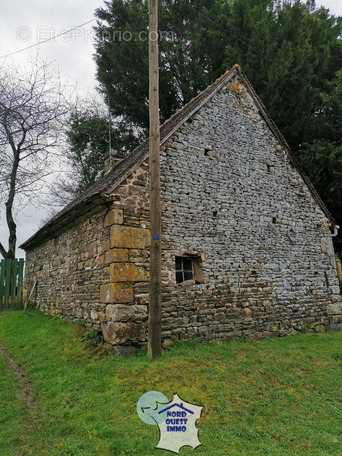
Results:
<point x="23" y="24"/>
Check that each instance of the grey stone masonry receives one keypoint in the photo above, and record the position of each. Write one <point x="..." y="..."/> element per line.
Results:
<point x="232" y="198"/>
<point x="233" y="203"/>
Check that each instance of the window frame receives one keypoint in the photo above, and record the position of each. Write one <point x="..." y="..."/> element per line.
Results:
<point x="184" y="269"/>
<point x="196" y="270"/>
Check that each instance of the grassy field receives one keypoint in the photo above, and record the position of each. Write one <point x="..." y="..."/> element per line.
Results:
<point x="272" y="397"/>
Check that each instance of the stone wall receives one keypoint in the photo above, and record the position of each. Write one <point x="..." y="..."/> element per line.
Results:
<point x="70" y="269"/>
<point x="232" y="200"/>
<point x="97" y="271"/>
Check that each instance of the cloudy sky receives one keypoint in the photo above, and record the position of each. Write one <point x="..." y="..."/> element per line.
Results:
<point x="23" y="24"/>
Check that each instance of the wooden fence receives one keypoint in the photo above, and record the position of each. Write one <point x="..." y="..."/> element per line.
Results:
<point x="11" y="282"/>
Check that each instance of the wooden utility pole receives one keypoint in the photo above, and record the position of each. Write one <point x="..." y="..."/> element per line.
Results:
<point x="154" y="316"/>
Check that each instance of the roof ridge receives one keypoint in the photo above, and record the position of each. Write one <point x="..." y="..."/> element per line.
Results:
<point x="120" y="172"/>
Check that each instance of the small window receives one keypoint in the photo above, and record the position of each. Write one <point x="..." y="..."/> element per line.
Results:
<point x="189" y="268"/>
<point x="184" y="269"/>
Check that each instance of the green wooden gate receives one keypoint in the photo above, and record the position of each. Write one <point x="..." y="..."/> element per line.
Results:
<point x="11" y="282"/>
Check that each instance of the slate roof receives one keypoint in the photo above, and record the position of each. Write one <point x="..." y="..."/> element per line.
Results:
<point x="95" y="195"/>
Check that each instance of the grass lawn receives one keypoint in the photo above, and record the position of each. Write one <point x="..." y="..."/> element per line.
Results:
<point x="11" y="411"/>
<point x="272" y="397"/>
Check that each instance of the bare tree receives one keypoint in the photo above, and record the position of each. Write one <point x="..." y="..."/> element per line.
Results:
<point x="32" y="109"/>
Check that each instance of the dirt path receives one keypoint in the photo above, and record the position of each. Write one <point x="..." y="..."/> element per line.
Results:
<point x="24" y="390"/>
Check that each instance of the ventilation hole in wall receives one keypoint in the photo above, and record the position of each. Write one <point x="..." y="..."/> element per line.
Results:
<point x="215" y="213"/>
<point x="253" y="273"/>
<point x="326" y="279"/>
<point x="274" y="220"/>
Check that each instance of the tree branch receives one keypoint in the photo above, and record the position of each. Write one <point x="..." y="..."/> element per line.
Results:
<point x="3" y="251"/>
<point x="31" y="111"/>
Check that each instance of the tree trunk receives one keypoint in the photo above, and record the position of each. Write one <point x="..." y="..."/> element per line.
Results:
<point x="12" y="227"/>
<point x="12" y="239"/>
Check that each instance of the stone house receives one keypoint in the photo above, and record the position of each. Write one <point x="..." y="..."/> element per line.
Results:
<point x="246" y="245"/>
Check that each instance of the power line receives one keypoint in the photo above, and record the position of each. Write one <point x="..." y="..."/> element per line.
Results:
<point x="45" y="41"/>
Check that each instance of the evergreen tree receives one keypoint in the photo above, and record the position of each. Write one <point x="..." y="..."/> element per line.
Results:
<point x="291" y="52"/>
<point x="88" y="138"/>
<point x="322" y="157"/>
<point x="191" y="54"/>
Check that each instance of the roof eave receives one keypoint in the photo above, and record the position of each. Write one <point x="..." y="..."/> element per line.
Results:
<point x="86" y="208"/>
